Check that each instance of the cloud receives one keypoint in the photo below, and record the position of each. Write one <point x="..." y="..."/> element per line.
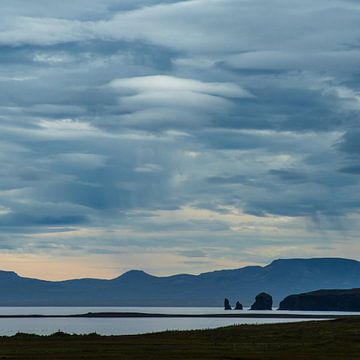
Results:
<point x="148" y="168"/>
<point x="169" y="101"/>
<point x="282" y="61"/>
<point x="350" y="142"/>
<point x="162" y="83"/>
<point x="310" y="25"/>
<point x="218" y="129"/>
<point x="42" y="31"/>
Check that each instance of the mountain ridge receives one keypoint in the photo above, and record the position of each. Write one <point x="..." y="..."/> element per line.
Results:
<point x="280" y="278"/>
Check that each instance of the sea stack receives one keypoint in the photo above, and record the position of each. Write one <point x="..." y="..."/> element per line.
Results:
<point x="263" y="301"/>
<point x="238" y="306"/>
<point x="227" y="305"/>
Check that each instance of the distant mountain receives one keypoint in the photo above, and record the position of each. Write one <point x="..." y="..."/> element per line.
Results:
<point x="137" y="288"/>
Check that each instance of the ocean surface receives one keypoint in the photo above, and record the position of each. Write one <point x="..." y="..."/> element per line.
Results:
<point x="125" y="326"/>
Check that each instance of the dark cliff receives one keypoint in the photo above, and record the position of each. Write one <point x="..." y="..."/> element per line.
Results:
<point x="323" y="300"/>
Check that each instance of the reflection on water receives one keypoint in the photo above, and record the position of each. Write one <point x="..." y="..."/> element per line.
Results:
<point x="123" y="326"/>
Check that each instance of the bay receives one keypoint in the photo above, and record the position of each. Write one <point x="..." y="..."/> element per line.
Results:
<point x="125" y="326"/>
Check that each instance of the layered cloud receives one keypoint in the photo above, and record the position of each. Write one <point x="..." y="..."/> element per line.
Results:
<point x="173" y="102"/>
<point x="205" y="133"/>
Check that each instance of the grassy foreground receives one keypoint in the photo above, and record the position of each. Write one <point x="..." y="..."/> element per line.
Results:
<point x="335" y="339"/>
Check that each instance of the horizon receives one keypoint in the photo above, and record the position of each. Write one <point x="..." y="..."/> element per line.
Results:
<point x="175" y="274"/>
<point x="137" y="134"/>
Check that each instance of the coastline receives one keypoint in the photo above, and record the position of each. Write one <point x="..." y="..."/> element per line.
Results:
<point x="321" y="340"/>
<point x="246" y="315"/>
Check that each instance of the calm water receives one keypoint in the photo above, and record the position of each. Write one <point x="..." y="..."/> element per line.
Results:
<point x="121" y="326"/>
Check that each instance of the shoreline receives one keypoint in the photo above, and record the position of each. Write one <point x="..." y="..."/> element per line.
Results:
<point x="330" y="340"/>
<point x="95" y="315"/>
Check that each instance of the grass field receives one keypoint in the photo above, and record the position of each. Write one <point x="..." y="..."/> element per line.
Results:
<point x="335" y="339"/>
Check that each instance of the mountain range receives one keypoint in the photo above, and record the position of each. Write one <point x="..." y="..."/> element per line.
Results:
<point x="136" y="288"/>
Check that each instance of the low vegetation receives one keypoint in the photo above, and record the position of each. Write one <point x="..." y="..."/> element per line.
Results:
<point x="335" y="339"/>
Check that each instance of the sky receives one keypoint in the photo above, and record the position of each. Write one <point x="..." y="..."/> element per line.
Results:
<point x="177" y="136"/>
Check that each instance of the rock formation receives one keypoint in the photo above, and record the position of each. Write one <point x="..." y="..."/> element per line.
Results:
<point x="323" y="300"/>
<point x="238" y="306"/>
<point x="263" y="301"/>
<point x="227" y="305"/>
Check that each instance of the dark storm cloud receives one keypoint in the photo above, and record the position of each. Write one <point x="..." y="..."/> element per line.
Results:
<point x="350" y="143"/>
<point x="351" y="169"/>
<point x="114" y="107"/>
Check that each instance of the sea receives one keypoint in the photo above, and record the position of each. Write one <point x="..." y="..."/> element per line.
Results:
<point x="129" y="326"/>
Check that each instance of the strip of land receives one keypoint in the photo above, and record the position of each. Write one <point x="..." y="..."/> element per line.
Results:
<point x="316" y="340"/>
<point x="242" y="315"/>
